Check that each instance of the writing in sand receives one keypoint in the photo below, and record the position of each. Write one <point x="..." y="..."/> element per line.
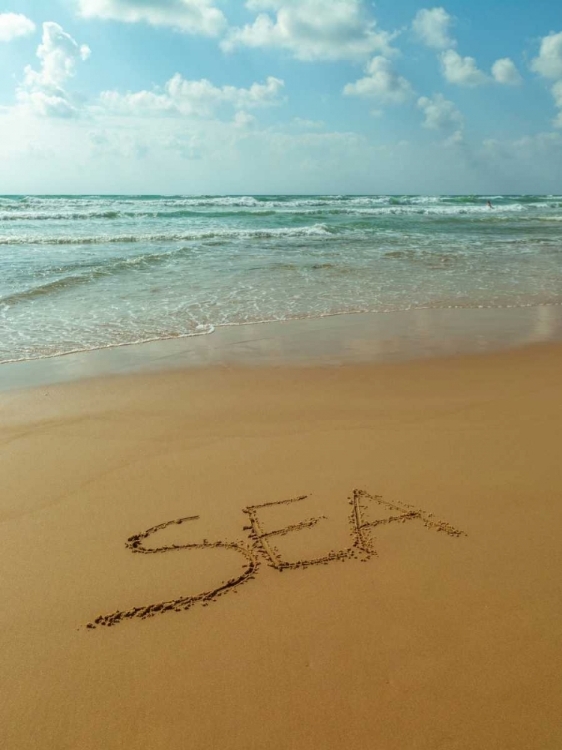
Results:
<point x="262" y="548"/>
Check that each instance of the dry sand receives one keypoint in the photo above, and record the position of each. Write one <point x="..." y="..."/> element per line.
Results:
<point x="439" y="627"/>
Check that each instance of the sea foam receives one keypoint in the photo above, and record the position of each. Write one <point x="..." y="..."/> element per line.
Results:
<point x="83" y="272"/>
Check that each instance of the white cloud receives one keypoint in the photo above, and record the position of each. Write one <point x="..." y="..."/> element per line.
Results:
<point x="173" y="155"/>
<point x="243" y="120"/>
<point x="549" y="61"/>
<point x="505" y="72"/>
<point x="455" y="139"/>
<point x="440" y="113"/>
<point x="137" y="103"/>
<point x="535" y="159"/>
<point x="191" y="16"/>
<point x="117" y="145"/>
<point x="549" y="65"/>
<point x="13" y="25"/>
<point x="42" y="90"/>
<point x="190" y="147"/>
<point x="381" y="83"/>
<point x="193" y="98"/>
<point x="461" y="71"/>
<point x="431" y="26"/>
<point x="312" y="29"/>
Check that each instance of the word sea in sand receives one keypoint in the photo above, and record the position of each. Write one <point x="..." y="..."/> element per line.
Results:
<point x="263" y="548"/>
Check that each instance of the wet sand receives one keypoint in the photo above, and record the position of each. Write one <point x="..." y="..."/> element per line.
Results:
<point x="362" y="338"/>
<point x="159" y="590"/>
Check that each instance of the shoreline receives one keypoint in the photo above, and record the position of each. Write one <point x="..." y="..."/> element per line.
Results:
<point x="346" y="338"/>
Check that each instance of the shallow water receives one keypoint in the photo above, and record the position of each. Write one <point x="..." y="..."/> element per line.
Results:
<point x="87" y="272"/>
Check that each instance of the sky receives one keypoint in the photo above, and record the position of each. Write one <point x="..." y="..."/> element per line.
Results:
<point x="280" y="96"/>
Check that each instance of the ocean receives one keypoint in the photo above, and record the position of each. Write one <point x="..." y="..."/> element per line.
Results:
<point x="88" y="272"/>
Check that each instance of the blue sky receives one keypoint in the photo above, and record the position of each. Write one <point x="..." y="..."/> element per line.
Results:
<point x="266" y="96"/>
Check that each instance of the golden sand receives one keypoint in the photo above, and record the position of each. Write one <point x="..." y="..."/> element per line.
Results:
<point x="240" y="558"/>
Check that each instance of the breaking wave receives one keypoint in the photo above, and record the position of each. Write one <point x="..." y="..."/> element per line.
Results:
<point x="316" y="230"/>
<point x="86" y="272"/>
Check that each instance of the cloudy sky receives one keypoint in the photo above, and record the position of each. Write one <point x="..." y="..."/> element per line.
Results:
<point x="271" y="96"/>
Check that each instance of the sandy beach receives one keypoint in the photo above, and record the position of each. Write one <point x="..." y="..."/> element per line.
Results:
<point x="280" y="375"/>
<point x="409" y="597"/>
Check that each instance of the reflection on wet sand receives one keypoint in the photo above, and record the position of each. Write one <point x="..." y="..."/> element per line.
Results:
<point x="340" y="339"/>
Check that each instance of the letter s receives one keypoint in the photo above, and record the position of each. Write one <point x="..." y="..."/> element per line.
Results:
<point x="135" y="544"/>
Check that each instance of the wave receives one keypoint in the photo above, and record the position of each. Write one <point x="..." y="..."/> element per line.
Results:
<point x="44" y="289"/>
<point x="418" y="210"/>
<point x="91" y="274"/>
<point x="180" y="213"/>
<point x="45" y="216"/>
<point x="315" y="230"/>
<point x="223" y="208"/>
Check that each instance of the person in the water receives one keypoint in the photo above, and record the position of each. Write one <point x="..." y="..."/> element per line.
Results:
<point x="490" y="204"/>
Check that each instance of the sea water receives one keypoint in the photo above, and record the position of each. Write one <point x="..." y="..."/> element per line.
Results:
<point x="86" y="272"/>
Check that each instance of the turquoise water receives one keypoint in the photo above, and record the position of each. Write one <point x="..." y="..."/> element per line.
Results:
<point x="85" y="272"/>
